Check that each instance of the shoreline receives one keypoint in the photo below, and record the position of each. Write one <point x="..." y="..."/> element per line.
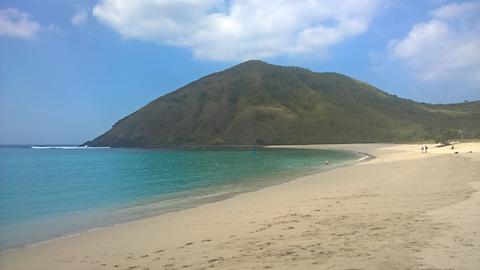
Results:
<point x="317" y="221"/>
<point x="204" y="199"/>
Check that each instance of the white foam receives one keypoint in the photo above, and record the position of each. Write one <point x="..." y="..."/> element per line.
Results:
<point x="363" y="158"/>
<point x="68" y="147"/>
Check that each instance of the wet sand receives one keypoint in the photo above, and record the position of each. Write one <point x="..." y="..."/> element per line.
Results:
<point x="401" y="210"/>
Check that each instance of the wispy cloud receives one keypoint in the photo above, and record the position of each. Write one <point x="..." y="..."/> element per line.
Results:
<point x="17" y="24"/>
<point x="446" y="47"/>
<point x="240" y="29"/>
<point x="80" y="18"/>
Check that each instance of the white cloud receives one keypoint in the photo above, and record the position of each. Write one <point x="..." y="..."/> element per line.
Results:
<point x="15" y="23"/>
<point x="456" y="11"/>
<point x="80" y="18"/>
<point x="446" y="47"/>
<point x="240" y="29"/>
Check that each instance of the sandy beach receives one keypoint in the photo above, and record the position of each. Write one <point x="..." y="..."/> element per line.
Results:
<point x="401" y="210"/>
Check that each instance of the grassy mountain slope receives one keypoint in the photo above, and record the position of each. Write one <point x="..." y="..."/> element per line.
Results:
<point x="259" y="103"/>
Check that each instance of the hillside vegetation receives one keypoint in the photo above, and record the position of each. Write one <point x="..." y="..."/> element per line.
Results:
<point x="258" y="103"/>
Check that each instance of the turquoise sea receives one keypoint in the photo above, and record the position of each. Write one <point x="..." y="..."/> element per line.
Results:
<point x="47" y="193"/>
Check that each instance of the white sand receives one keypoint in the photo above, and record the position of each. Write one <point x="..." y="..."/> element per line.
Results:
<point x="402" y="210"/>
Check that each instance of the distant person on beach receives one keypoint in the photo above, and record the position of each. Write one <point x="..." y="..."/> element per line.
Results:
<point x="422" y="149"/>
<point x="326" y="162"/>
<point x="426" y="149"/>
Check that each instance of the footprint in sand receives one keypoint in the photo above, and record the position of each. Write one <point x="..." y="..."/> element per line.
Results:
<point x="218" y="259"/>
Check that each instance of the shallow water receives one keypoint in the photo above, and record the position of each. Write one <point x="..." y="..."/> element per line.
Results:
<point x="48" y="192"/>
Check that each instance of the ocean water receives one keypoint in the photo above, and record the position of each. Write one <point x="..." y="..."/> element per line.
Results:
<point x="52" y="192"/>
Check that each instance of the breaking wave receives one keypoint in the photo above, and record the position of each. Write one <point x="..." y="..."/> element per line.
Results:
<point x="68" y="147"/>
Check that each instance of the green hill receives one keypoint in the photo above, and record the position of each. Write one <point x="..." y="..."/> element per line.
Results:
<point x="258" y="103"/>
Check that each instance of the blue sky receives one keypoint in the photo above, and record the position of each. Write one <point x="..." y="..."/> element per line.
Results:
<point x="70" y="69"/>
